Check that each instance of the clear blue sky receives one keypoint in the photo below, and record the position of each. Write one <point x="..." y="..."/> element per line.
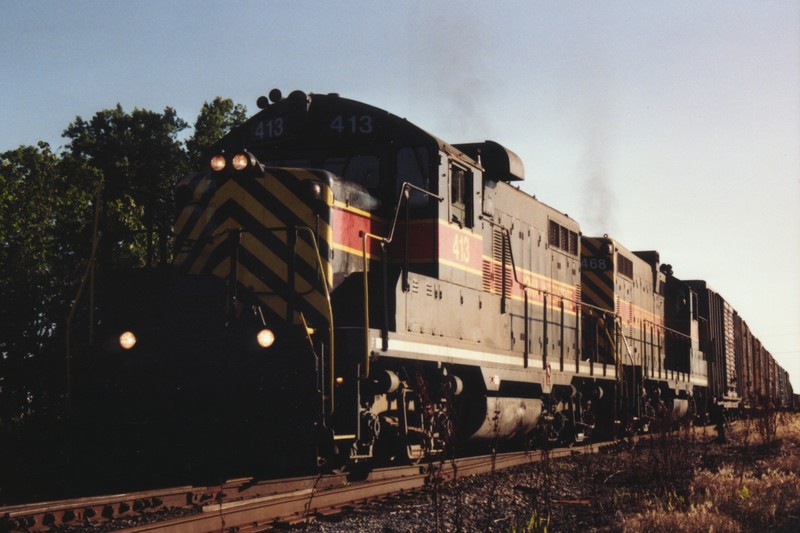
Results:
<point x="670" y="125"/>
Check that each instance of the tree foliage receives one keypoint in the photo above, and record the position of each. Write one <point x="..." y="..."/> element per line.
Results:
<point x="216" y="119"/>
<point x="137" y="151"/>
<point x="42" y="244"/>
<point x="119" y="165"/>
<point x="139" y="156"/>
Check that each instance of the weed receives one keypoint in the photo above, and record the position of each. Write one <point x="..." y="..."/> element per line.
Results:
<point x="537" y="523"/>
<point x="673" y="501"/>
<point x="767" y="423"/>
<point x="764" y="500"/>
<point x="744" y="493"/>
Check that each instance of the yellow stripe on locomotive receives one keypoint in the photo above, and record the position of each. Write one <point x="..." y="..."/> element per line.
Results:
<point x="283" y="256"/>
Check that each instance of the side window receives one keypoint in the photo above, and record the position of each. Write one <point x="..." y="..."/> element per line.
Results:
<point x="461" y="196"/>
<point x="413" y="167"/>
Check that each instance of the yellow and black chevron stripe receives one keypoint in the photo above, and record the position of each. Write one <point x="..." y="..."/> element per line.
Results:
<point x="243" y="227"/>
<point x="597" y="273"/>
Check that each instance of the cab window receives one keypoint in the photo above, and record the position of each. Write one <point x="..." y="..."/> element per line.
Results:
<point x="361" y="169"/>
<point x="413" y="167"/>
<point x="460" y="196"/>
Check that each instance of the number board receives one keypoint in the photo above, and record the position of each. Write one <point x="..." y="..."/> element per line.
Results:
<point x="596" y="264"/>
<point x="346" y="124"/>
<point x="350" y="124"/>
<point x="271" y="128"/>
<point x="327" y="119"/>
<point x="341" y="126"/>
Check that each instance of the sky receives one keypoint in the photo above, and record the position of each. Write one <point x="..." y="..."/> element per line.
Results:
<point x="672" y="126"/>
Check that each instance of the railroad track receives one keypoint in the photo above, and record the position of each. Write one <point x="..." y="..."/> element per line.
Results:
<point x="253" y="506"/>
<point x="80" y="512"/>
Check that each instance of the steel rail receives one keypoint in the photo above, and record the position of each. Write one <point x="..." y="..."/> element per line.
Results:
<point x="299" y="506"/>
<point x="95" y="509"/>
<point x="245" y="503"/>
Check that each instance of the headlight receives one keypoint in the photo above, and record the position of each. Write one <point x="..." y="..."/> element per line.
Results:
<point x="265" y="338"/>
<point x="217" y="163"/>
<point x="241" y="161"/>
<point x="313" y="190"/>
<point x="127" y="340"/>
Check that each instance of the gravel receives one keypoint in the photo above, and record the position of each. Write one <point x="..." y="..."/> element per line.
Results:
<point x="579" y="493"/>
<point x="553" y="492"/>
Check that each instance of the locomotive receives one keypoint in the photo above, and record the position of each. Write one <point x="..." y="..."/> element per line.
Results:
<point x="348" y="289"/>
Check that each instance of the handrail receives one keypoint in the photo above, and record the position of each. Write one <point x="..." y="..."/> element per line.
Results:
<point x="326" y="293"/>
<point x="330" y="314"/>
<point x="404" y="189"/>
<point x="88" y="277"/>
<point x="579" y="304"/>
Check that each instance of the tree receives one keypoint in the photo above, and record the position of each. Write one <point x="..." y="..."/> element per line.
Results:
<point x="122" y="166"/>
<point x="216" y="119"/>
<point x="43" y="216"/>
<point x="139" y="151"/>
<point x="140" y="158"/>
<point x="47" y="208"/>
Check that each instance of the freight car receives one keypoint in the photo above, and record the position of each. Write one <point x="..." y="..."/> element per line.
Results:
<point x="755" y="366"/>
<point x="717" y="342"/>
<point x="348" y="288"/>
<point x="785" y="390"/>
<point x="743" y="375"/>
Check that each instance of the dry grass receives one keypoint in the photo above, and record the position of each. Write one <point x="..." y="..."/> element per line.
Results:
<point x="752" y="485"/>
<point x="694" y="520"/>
